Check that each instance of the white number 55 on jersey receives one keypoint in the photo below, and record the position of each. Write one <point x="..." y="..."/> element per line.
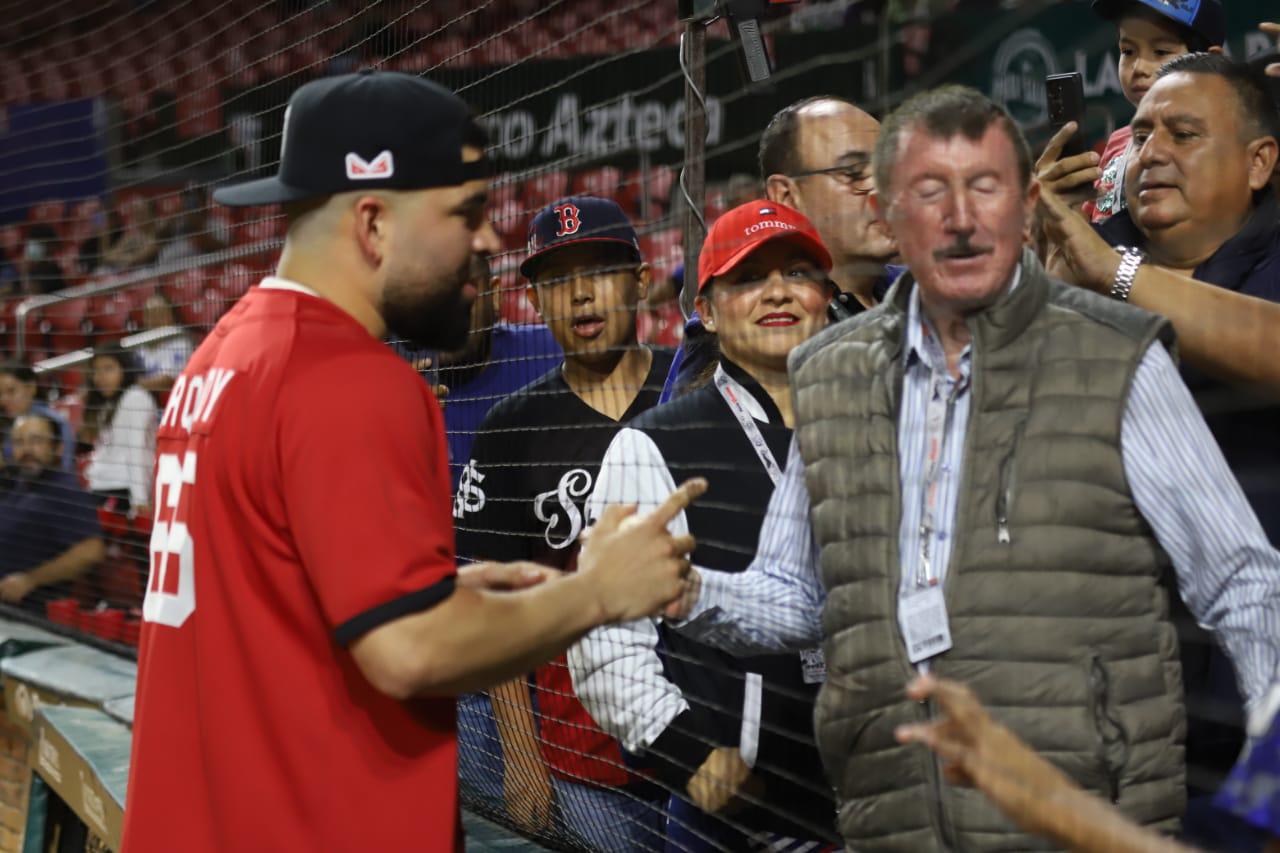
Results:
<point x="171" y="596"/>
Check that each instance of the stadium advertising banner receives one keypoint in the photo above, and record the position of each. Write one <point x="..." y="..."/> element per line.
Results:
<point x="596" y="110"/>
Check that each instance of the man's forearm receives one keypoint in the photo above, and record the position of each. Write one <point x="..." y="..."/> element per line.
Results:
<point x="1226" y="334"/>
<point x="475" y="639"/>
<point x="70" y="564"/>
<point x="1085" y="823"/>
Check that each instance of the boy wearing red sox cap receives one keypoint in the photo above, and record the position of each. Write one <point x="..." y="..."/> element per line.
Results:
<point x="532" y="467"/>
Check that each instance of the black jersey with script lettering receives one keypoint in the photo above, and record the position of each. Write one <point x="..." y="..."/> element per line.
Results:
<point x="522" y="496"/>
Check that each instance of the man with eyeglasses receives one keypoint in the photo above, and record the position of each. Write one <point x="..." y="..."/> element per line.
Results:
<point x="815" y="156"/>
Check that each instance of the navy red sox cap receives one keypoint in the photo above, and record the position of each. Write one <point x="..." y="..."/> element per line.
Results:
<point x="364" y="131"/>
<point x="1205" y="18"/>
<point x="574" y="220"/>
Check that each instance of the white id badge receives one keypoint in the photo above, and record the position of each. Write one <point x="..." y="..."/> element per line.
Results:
<point x="814" y="665"/>
<point x="924" y="624"/>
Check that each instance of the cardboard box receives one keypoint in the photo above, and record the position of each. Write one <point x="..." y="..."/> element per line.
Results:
<point x="83" y="756"/>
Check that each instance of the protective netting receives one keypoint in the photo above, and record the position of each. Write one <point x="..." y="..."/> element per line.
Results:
<point x="120" y="118"/>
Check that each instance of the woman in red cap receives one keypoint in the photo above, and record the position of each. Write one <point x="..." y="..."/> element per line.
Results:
<point x="732" y="738"/>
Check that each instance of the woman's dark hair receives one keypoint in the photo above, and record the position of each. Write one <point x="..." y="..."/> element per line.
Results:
<point x="701" y="349"/>
<point x="99" y="409"/>
<point x="19" y="371"/>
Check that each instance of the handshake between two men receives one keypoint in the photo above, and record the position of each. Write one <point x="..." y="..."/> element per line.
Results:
<point x="634" y="565"/>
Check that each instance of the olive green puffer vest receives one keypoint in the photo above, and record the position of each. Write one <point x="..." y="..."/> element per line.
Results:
<point x="1057" y="621"/>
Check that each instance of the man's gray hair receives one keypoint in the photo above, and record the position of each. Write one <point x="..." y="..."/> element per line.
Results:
<point x="943" y="113"/>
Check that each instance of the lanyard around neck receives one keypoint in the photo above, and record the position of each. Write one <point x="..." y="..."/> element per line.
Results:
<point x="733" y="393"/>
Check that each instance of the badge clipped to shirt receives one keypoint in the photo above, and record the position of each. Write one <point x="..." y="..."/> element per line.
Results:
<point x="814" y="665"/>
<point x="924" y="623"/>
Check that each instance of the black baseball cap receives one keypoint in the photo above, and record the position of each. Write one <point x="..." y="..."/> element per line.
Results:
<point x="369" y="130"/>
<point x="578" y="219"/>
<point x="1205" y="18"/>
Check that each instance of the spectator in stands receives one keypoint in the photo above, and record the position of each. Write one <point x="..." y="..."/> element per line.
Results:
<point x="138" y="242"/>
<point x="732" y="737"/>
<point x="1151" y="33"/>
<point x="162" y="360"/>
<point x="19" y="395"/>
<point x="522" y="496"/>
<point x="187" y="232"/>
<point x="40" y="273"/>
<point x="815" y="156"/>
<point x="49" y="532"/>
<point x="120" y="424"/>
<point x="90" y="233"/>
<point x="42" y="278"/>
<point x="1088" y="472"/>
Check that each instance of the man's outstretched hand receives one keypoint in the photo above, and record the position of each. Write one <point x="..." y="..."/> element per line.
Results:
<point x="637" y="566"/>
<point x="978" y="752"/>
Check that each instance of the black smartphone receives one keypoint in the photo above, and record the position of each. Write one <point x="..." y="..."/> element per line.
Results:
<point x="1065" y="93"/>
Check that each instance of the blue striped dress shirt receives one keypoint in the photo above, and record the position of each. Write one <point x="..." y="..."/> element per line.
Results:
<point x="1228" y="573"/>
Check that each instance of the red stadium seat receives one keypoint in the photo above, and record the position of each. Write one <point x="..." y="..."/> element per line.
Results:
<point x="8" y="319"/>
<point x="11" y="241"/>
<point x="66" y="324"/>
<point x="236" y="280"/>
<point x="51" y="84"/>
<point x="204" y="311"/>
<point x="545" y="188"/>
<point x="200" y="107"/>
<point x="510" y="222"/>
<point x="184" y="290"/>
<point x="52" y="213"/>
<point x="17" y="87"/>
<point x="603" y="182"/>
<point x="663" y="250"/>
<point x="109" y="315"/>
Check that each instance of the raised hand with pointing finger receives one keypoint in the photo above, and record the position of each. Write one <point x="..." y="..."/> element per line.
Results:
<point x="636" y="566"/>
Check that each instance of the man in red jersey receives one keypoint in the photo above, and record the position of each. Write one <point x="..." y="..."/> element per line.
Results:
<point x="304" y="626"/>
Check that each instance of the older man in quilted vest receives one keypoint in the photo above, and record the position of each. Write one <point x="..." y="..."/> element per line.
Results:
<point x="990" y="472"/>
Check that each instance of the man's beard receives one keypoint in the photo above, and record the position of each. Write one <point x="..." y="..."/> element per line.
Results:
<point x="436" y="320"/>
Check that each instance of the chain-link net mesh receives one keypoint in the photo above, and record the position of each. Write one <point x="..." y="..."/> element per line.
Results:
<point x="120" y="118"/>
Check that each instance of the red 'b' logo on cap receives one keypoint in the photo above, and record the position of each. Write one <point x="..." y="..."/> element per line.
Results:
<point x="570" y="219"/>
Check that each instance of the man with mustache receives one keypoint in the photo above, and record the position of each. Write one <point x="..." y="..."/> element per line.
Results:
<point x="49" y="531"/>
<point x="991" y="472"/>
<point x="305" y="625"/>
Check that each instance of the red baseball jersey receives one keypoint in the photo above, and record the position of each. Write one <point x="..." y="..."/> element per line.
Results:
<point x="302" y="499"/>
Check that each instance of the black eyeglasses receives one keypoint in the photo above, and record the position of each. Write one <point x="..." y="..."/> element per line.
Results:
<point x="858" y="177"/>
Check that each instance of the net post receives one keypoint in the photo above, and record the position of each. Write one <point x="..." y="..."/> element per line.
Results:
<point x="693" y="47"/>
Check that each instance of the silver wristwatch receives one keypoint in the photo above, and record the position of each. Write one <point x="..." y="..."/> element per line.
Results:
<point x="1131" y="258"/>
